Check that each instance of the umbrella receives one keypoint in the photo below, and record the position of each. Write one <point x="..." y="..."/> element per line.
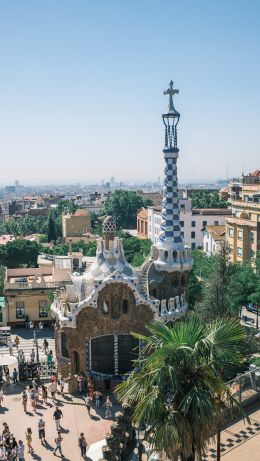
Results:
<point x="95" y="450"/>
<point x="8" y="360"/>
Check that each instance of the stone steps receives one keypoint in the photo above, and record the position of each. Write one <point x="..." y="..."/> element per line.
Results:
<point x="27" y="343"/>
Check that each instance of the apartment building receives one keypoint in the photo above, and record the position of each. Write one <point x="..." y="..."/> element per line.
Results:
<point x="142" y="223"/>
<point x="193" y="222"/>
<point x="26" y="291"/>
<point x="243" y="226"/>
<point x="213" y="237"/>
<point x="76" y="225"/>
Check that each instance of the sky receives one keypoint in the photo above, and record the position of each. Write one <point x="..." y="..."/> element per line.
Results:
<point x="81" y="88"/>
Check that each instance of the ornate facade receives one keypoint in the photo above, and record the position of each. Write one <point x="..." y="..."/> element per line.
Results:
<point x="96" y="314"/>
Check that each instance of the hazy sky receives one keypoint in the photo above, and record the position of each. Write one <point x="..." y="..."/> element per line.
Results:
<point x="81" y="88"/>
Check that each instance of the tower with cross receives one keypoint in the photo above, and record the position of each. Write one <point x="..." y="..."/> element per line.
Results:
<point x="170" y="253"/>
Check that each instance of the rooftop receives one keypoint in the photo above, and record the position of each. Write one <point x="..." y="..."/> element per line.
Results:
<point x="217" y="232"/>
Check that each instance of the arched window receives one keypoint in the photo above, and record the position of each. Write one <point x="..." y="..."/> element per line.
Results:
<point x="125" y="306"/>
<point x="183" y="280"/>
<point x="166" y="254"/>
<point x="64" y="346"/>
<point x="76" y="362"/>
<point x="174" y="255"/>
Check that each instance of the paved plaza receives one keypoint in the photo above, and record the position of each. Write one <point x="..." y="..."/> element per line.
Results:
<point x="240" y="442"/>
<point x="75" y="420"/>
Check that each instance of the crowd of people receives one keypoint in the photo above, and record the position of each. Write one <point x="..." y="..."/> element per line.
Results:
<point x="33" y="398"/>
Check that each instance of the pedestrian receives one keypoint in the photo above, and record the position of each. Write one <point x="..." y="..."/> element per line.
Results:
<point x="24" y="401"/>
<point x="45" y="345"/>
<point x="88" y="403"/>
<point x="62" y="384"/>
<point x="36" y="395"/>
<point x="20" y="451"/>
<point x="13" y="452"/>
<point x="2" y="451"/>
<point x="44" y="393"/>
<point x="28" y="435"/>
<point x="1" y="396"/>
<point x="32" y="399"/>
<point x="108" y="405"/>
<point x="82" y="444"/>
<point x="7" y="376"/>
<point x="32" y="356"/>
<point x="57" y="415"/>
<point x="17" y="342"/>
<point x="15" y="376"/>
<point x="41" y="429"/>
<point x="53" y="389"/>
<point x="49" y="359"/>
<point x="10" y="346"/>
<point x="58" y="441"/>
<point x="98" y="395"/>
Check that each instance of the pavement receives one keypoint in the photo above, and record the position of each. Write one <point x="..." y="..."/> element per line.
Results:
<point x="75" y="420"/>
<point x="27" y="341"/>
<point x="240" y="441"/>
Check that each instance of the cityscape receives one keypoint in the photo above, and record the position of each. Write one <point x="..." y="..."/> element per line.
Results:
<point x="129" y="282"/>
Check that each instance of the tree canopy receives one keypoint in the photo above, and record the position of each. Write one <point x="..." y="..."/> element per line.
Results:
<point x="19" y="253"/>
<point x="206" y="199"/>
<point x="177" y="388"/>
<point x="123" y="206"/>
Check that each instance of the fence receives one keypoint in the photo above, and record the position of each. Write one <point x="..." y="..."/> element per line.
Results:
<point x="246" y="386"/>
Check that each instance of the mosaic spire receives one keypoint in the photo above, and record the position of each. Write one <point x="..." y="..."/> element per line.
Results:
<point x="170" y="231"/>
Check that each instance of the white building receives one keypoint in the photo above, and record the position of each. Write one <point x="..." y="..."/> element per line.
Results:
<point x="192" y="221"/>
<point x="213" y="236"/>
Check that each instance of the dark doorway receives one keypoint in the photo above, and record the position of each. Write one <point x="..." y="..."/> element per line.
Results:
<point x="102" y="354"/>
<point x="128" y="351"/>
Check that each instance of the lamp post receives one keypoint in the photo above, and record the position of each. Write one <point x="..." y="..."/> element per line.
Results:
<point x="257" y="311"/>
<point x="140" y="435"/>
<point x="35" y="340"/>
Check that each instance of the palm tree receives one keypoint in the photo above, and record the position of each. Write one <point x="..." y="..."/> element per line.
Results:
<point x="177" y="388"/>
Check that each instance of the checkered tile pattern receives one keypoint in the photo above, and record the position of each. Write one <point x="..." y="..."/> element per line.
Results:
<point x="233" y="440"/>
<point x="170" y="224"/>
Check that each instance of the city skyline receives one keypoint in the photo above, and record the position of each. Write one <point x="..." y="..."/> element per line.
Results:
<point x="82" y="90"/>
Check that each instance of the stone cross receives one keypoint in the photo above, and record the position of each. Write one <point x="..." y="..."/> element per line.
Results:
<point x="171" y="92"/>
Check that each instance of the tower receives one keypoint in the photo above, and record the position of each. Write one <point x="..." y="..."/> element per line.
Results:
<point x="167" y="275"/>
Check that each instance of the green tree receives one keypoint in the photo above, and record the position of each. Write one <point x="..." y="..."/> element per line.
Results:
<point x="206" y="199"/>
<point x="215" y="300"/>
<point x="2" y="278"/>
<point x="19" y="253"/>
<point x="241" y="286"/>
<point x="123" y="206"/>
<point x="177" y="389"/>
<point x="52" y="233"/>
<point x="201" y="270"/>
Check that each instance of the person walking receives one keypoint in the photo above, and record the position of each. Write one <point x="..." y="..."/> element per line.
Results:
<point x="1" y="396"/>
<point x="108" y="405"/>
<point x="62" y="384"/>
<point x="44" y="393"/>
<point x="32" y="356"/>
<point x="20" y="451"/>
<point x="88" y="402"/>
<point x="2" y="452"/>
<point x="24" y="401"/>
<point x="41" y="430"/>
<point x="58" y="441"/>
<point x="15" y="376"/>
<point x="28" y="435"/>
<point x="45" y="345"/>
<point x="53" y="389"/>
<point x="98" y="395"/>
<point x="10" y="346"/>
<point x="57" y="415"/>
<point x="82" y="444"/>
<point x="17" y="342"/>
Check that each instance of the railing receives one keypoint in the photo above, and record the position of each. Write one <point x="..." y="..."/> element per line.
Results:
<point x="32" y="285"/>
<point x="245" y="386"/>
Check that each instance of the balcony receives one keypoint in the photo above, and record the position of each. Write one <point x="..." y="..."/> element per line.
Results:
<point x="32" y="285"/>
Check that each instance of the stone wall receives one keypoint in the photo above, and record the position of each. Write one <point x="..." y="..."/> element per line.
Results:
<point x="123" y="317"/>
